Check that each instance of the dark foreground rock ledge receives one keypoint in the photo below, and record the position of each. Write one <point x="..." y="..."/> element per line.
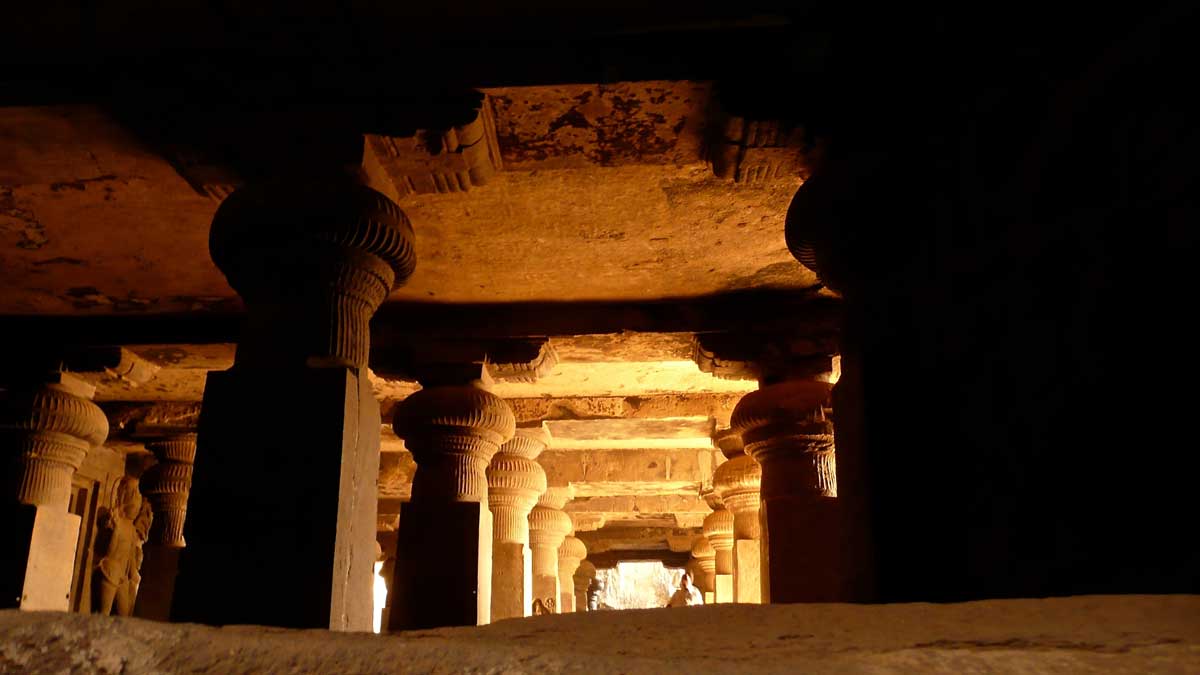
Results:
<point x="1134" y="634"/>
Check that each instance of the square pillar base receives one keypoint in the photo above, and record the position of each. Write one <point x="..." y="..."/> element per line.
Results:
<point x="160" y="565"/>
<point x="512" y="589"/>
<point x="281" y="515"/>
<point x="747" y="571"/>
<point x="38" y="562"/>
<point x="803" y="564"/>
<point x="723" y="589"/>
<point x="545" y="588"/>
<point x="443" y="567"/>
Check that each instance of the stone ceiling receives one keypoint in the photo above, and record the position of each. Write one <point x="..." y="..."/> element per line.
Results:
<point x="597" y="193"/>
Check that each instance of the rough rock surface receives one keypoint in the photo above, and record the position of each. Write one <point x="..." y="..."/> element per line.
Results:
<point x="1119" y="634"/>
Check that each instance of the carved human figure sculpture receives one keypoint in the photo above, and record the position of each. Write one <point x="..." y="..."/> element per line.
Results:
<point x="127" y="525"/>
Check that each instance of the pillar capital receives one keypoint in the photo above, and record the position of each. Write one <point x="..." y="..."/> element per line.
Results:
<point x="556" y="497"/>
<point x="50" y="424"/>
<point x="584" y="574"/>
<point x="313" y="257"/>
<point x="514" y="485"/>
<point x="528" y="441"/>
<point x="705" y="555"/>
<point x="784" y="423"/>
<point x="548" y="527"/>
<point x="718" y="529"/>
<point x="453" y="432"/>
<point x="167" y="485"/>
<point x="737" y="481"/>
<point x="729" y="442"/>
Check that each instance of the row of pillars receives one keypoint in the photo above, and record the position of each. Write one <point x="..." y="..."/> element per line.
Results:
<point x="278" y="507"/>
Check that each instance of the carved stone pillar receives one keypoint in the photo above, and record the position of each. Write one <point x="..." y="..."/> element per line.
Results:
<point x="166" y="486"/>
<point x="737" y="481"/>
<point x="570" y="554"/>
<point x="706" y="564"/>
<point x="548" y="526"/>
<point x="444" y="549"/>
<point x="585" y="574"/>
<point x="515" y="481"/>
<point x="288" y="439"/>
<point x="784" y="429"/>
<point x="47" y="427"/>
<point x="718" y="529"/>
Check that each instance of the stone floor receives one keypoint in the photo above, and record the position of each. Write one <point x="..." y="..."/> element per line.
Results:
<point x="1114" y="634"/>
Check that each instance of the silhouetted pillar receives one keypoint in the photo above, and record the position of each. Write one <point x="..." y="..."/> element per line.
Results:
<point x="166" y="486"/>
<point x="47" y="426"/>
<point x="584" y="575"/>
<point x="784" y="429"/>
<point x="570" y="554"/>
<point x="718" y="529"/>
<point x="515" y="481"/>
<point x="737" y="482"/>
<point x="443" y="571"/>
<point x="281" y="525"/>
<point x="706" y="568"/>
<point x="548" y="526"/>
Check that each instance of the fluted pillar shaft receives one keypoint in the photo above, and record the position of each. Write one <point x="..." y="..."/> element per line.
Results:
<point x="585" y="574"/>
<point x="737" y="482"/>
<point x="570" y="554"/>
<point x="718" y="529"/>
<point x="288" y="438"/>
<point x="705" y="557"/>
<point x="47" y="427"/>
<point x="166" y="486"/>
<point x="444" y="547"/>
<point x="515" y="482"/>
<point x="548" y="527"/>
<point x="784" y="428"/>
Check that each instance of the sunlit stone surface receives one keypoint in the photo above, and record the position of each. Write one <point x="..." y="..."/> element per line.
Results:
<point x="1127" y="634"/>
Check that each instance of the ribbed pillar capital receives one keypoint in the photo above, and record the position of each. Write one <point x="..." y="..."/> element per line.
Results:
<point x="312" y="258"/>
<point x="705" y="555"/>
<point x="556" y="497"/>
<point x="46" y="429"/>
<point x="570" y="554"/>
<point x="527" y="442"/>
<point x="453" y="432"/>
<point x="784" y="429"/>
<point x="584" y="574"/>
<point x="737" y="481"/>
<point x="548" y="527"/>
<point x="514" y="485"/>
<point x="167" y="485"/>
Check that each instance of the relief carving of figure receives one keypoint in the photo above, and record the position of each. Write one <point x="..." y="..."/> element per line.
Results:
<point x="541" y="606"/>
<point x="127" y="524"/>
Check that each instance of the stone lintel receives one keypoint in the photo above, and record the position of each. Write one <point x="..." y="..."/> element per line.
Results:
<point x="770" y="356"/>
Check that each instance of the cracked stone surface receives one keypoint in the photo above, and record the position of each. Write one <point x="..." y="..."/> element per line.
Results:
<point x="1112" y="634"/>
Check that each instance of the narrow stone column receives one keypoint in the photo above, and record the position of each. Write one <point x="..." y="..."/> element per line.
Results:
<point x="515" y="481"/>
<point x="548" y="526"/>
<point x="166" y="486"/>
<point x="585" y="574"/>
<point x="718" y="529"/>
<point x="443" y="571"/>
<point x="706" y="564"/>
<point x="281" y="524"/>
<point x="737" y="482"/>
<point x="47" y="427"/>
<point x="570" y="554"/>
<point x="784" y="428"/>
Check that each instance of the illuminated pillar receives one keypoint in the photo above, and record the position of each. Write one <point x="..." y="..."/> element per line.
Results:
<point x="718" y="529"/>
<point x="737" y="482"/>
<point x="443" y="571"/>
<point x="288" y="438"/>
<point x="570" y="554"/>
<point x="515" y="481"/>
<point x="166" y="486"/>
<point x="585" y="574"/>
<point x="548" y="527"/>
<point x="706" y="564"/>
<point x="47" y="427"/>
<point x="784" y="429"/>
